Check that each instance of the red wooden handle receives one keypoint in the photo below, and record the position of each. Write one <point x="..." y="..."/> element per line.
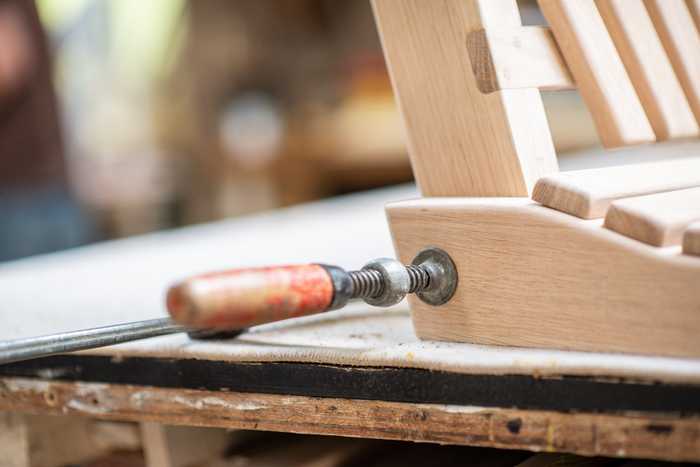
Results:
<point x="241" y="298"/>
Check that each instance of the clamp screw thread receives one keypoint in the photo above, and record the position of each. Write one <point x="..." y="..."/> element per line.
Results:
<point x="419" y="277"/>
<point x="366" y="283"/>
<point x="369" y="283"/>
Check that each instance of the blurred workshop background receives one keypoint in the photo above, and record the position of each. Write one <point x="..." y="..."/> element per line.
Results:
<point x="120" y="117"/>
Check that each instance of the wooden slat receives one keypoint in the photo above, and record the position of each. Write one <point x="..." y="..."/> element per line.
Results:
<point x="461" y="141"/>
<point x="517" y="58"/>
<point x="691" y="240"/>
<point x="649" y="68"/>
<point x="658" y="219"/>
<point x="681" y="40"/>
<point x="598" y="70"/>
<point x="694" y="7"/>
<point x="588" y="193"/>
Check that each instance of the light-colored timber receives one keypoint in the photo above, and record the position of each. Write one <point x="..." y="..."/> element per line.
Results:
<point x="598" y="70"/>
<point x="659" y="219"/>
<point x="517" y="58"/>
<point x="182" y="446"/>
<point x="14" y="441"/>
<point x="39" y="440"/>
<point x="691" y="239"/>
<point x="649" y="68"/>
<point x="694" y="7"/>
<point x="588" y="193"/>
<point x="651" y="436"/>
<point x="531" y="276"/>
<point x="681" y="39"/>
<point x="456" y="134"/>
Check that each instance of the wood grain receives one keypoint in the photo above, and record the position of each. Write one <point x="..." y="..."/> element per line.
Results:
<point x="681" y="39"/>
<point x="461" y="142"/>
<point x="659" y="219"/>
<point x="534" y="277"/>
<point x="14" y="441"/>
<point x="691" y="240"/>
<point x="652" y="436"/>
<point x="649" y="68"/>
<point x="39" y="440"/>
<point x="588" y="193"/>
<point x="517" y="58"/>
<point x="694" y="8"/>
<point x="598" y="70"/>
<point x="180" y="446"/>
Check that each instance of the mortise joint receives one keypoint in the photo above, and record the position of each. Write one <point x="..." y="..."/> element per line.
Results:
<point x="517" y="58"/>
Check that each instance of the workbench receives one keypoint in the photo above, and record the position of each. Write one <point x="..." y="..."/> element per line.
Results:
<point x="358" y="372"/>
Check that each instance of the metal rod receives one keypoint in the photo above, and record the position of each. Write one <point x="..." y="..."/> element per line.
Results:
<point x="42" y="346"/>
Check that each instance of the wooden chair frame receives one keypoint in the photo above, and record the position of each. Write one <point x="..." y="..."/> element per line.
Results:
<point x="479" y="143"/>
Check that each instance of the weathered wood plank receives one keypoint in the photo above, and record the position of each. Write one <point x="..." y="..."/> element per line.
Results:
<point x="635" y="435"/>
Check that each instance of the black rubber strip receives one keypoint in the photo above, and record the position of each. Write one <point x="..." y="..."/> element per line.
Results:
<point x="387" y="384"/>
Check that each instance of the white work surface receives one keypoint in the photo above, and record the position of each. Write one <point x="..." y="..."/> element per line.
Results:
<point x="126" y="280"/>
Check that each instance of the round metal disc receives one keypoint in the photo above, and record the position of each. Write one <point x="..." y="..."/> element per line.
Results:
<point x="443" y="276"/>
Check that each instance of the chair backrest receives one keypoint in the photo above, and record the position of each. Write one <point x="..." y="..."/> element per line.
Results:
<point x="467" y="76"/>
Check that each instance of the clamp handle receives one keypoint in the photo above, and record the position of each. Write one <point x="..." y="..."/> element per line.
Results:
<point x="241" y="298"/>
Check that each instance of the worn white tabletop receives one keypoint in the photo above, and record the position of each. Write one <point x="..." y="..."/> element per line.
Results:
<point x="126" y="280"/>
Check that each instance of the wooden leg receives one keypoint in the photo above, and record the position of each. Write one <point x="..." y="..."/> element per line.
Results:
<point x="178" y="446"/>
<point x="53" y="441"/>
<point x="14" y="441"/>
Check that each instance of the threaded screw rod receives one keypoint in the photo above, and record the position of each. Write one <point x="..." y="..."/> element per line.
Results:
<point x="369" y="283"/>
<point x="366" y="283"/>
<point x="419" y="278"/>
